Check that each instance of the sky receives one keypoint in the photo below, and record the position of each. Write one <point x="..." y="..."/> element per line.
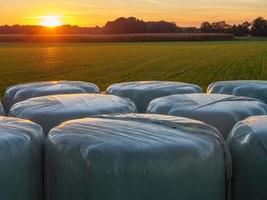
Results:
<point x="98" y="12"/>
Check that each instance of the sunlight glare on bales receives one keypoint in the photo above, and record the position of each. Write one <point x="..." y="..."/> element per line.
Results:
<point x="51" y="21"/>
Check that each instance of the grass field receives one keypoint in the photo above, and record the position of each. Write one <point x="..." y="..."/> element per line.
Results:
<point x="107" y="63"/>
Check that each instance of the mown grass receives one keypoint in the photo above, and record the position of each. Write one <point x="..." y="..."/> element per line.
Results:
<point x="107" y="63"/>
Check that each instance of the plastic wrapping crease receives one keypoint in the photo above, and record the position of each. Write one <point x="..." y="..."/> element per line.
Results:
<point x="25" y="91"/>
<point x="248" y="145"/>
<point x="21" y="159"/>
<point x="50" y="111"/>
<point x="143" y="92"/>
<point x="254" y="89"/>
<point x="2" y="112"/>
<point x="136" y="156"/>
<point x="220" y="111"/>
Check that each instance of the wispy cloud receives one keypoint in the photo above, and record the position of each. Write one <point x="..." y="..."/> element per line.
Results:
<point x="80" y="4"/>
<point x="41" y="17"/>
<point x="160" y="3"/>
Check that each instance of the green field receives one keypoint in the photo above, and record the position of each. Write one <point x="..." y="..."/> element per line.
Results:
<point x="107" y="63"/>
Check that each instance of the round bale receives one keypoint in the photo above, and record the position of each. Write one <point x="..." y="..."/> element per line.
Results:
<point x="220" y="111"/>
<point x="20" y="159"/>
<point x="141" y="93"/>
<point x="144" y="157"/>
<point x="254" y="89"/>
<point x="248" y="146"/>
<point x="50" y="111"/>
<point x="22" y="92"/>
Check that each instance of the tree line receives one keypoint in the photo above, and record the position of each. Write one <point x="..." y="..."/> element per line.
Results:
<point x="133" y="25"/>
<point x="256" y="28"/>
<point x="64" y="29"/>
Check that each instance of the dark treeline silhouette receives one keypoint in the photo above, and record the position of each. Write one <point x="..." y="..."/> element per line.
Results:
<point x="256" y="28"/>
<point x="64" y="29"/>
<point x="133" y="25"/>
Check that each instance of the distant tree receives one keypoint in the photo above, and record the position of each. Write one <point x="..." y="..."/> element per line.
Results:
<point x="215" y="27"/>
<point x="189" y="30"/>
<point x="132" y="25"/>
<point x="241" y="29"/>
<point x="221" y="27"/>
<point x="161" y="27"/>
<point x="259" y="27"/>
<point x="206" y="27"/>
<point x="125" y="25"/>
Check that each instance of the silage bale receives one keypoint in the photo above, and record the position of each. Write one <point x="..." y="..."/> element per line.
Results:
<point x="247" y="143"/>
<point x="22" y="92"/>
<point x="143" y="92"/>
<point x="254" y="89"/>
<point x="2" y="112"/>
<point x="134" y="156"/>
<point x="50" y="111"/>
<point x="220" y="111"/>
<point x="20" y="159"/>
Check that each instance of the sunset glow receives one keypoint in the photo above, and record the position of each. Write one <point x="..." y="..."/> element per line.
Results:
<point x="51" y="21"/>
<point x="92" y="13"/>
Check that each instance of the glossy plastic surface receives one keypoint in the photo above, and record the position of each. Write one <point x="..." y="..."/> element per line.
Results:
<point x="220" y="111"/>
<point x="141" y="93"/>
<point x="144" y="157"/>
<point x="248" y="146"/>
<point x="254" y="89"/>
<point x="50" y="111"/>
<point x="22" y="92"/>
<point x="20" y="160"/>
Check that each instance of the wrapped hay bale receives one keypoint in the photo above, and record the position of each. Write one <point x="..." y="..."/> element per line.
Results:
<point x="20" y="159"/>
<point x="247" y="143"/>
<point x="220" y="111"/>
<point x="22" y="92"/>
<point x="141" y="93"/>
<point x="50" y="111"/>
<point x="254" y="89"/>
<point x="2" y="112"/>
<point x="144" y="157"/>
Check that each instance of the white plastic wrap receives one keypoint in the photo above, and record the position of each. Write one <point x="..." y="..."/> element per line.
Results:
<point x="22" y="92"/>
<point x="50" y="111"/>
<point x="254" y="89"/>
<point x="144" y="157"/>
<point x="141" y="93"/>
<point x="20" y="160"/>
<point x="2" y="112"/>
<point x="220" y="111"/>
<point x="248" y="146"/>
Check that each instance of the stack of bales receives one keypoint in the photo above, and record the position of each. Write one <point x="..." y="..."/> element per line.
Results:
<point x="247" y="142"/>
<point x="89" y="155"/>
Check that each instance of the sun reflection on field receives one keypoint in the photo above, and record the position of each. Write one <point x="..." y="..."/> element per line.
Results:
<point x="49" y="58"/>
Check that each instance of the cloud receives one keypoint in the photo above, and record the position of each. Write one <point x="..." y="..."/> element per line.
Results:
<point x="80" y="4"/>
<point x="159" y="3"/>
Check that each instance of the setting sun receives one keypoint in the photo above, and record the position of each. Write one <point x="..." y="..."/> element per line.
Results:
<point x="51" y="21"/>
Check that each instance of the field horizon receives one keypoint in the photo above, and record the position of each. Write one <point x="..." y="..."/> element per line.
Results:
<point x="137" y="37"/>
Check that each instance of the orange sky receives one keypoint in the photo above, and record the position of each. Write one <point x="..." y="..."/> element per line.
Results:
<point x="97" y="12"/>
